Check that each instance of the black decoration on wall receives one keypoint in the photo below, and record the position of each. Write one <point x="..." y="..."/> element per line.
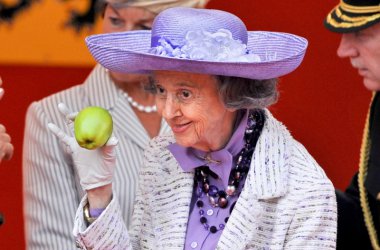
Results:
<point x="77" y="20"/>
<point x="8" y="13"/>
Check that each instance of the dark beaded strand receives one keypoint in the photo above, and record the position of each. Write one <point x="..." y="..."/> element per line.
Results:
<point x="220" y="198"/>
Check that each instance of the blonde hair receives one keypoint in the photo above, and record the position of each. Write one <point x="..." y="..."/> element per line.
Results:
<point x="156" y="6"/>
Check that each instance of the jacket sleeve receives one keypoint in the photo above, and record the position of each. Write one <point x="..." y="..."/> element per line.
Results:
<point x="109" y="230"/>
<point x="106" y="232"/>
<point x="51" y="195"/>
<point x="315" y="220"/>
<point x="143" y="236"/>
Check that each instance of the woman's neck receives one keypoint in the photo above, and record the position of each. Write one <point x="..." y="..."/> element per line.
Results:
<point x="134" y="87"/>
<point x="228" y="128"/>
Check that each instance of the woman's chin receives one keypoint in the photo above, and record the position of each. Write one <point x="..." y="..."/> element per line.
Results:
<point x="182" y="142"/>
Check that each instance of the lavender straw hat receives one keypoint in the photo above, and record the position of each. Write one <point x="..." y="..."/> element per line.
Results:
<point x="202" y="41"/>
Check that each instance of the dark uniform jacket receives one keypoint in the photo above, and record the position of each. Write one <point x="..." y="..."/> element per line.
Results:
<point x="352" y="231"/>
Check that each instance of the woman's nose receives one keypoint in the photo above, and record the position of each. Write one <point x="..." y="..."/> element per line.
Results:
<point x="171" y="108"/>
<point x="347" y="46"/>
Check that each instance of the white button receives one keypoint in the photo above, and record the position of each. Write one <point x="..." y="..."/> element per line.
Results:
<point x="194" y="244"/>
<point x="210" y="212"/>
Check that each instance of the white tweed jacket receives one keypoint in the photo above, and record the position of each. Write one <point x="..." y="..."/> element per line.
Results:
<point x="287" y="202"/>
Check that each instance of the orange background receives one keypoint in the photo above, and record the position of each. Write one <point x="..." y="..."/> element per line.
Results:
<point x="38" y="35"/>
<point x="323" y="103"/>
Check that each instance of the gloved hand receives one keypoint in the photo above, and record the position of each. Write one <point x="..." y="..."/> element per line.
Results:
<point x="95" y="167"/>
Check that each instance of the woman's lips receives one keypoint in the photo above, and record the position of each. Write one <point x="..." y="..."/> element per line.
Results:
<point x="179" y="128"/>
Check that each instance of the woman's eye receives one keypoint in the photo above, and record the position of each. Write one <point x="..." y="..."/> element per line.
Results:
<point x="160" y="91"/>
<point x="144" y="27"/>
<point x="185" y="94"/>
<point x="116" y="21"/>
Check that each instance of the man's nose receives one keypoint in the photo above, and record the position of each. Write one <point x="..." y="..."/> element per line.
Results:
<point x="347" y="46"/>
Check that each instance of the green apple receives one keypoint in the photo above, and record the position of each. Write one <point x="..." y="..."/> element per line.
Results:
<point x="93" y="127"/>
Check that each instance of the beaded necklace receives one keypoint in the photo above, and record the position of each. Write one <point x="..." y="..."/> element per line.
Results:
<point x="220" y="198"/>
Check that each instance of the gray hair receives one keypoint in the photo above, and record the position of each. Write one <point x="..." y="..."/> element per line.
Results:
<point x="244" y="93"/>
<point x="237" y="92"/>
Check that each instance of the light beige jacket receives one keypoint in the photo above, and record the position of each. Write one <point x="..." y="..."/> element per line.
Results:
<point x="287" y="202"/>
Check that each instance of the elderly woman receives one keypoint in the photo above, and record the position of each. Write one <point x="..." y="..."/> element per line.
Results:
<point x="229" y="176"/>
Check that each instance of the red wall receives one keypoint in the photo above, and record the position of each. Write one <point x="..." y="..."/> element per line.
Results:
<point x="23" y="85"/>
<point x="323" y="103"/>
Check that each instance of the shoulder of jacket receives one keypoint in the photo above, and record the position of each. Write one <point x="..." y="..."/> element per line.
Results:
<point x="157" y="156"/>
<point x="161" y="142"/>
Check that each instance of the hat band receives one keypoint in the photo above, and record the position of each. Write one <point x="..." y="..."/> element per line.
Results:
<point x="358" y="9"/>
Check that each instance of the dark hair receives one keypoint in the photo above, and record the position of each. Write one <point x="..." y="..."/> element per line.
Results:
<point x="244" y="93"/>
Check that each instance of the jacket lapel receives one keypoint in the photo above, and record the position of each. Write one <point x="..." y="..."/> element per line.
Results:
<point x="173" y="193"/>
<point x="269" y="172"/>
<point x="266" y="180"/>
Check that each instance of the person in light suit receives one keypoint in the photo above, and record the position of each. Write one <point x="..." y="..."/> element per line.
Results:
<point x="229" y="175"/>
<point x="51" y="183"/>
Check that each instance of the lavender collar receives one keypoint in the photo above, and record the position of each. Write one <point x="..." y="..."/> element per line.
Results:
<point x="221" y="164"/>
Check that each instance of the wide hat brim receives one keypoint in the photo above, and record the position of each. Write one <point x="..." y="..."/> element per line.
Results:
<point x="128" y="52"/>
<point x="346" y="18"/>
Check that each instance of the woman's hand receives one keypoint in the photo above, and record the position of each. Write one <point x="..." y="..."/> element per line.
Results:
<point x="95" y="167"/>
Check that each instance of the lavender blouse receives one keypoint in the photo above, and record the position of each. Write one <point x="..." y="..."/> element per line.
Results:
<point x="198" y="235"/>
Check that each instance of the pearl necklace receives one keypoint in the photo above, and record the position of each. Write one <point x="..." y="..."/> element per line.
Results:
<point x="140" y="107"/>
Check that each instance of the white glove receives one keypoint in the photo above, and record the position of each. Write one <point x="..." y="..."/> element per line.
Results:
<point x="95" y="167"/>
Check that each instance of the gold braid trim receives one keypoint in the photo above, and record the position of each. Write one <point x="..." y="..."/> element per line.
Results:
<point x="363" y="167"/>
<point x="367" y="18"/>
<point x="358" y="9"/>
<point x="349" y="22"/>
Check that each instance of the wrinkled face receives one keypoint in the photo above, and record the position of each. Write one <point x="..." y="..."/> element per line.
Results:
<point x="363" y="49"/>
<point x="191" y="105"/>
<point x="126" y="19"/>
